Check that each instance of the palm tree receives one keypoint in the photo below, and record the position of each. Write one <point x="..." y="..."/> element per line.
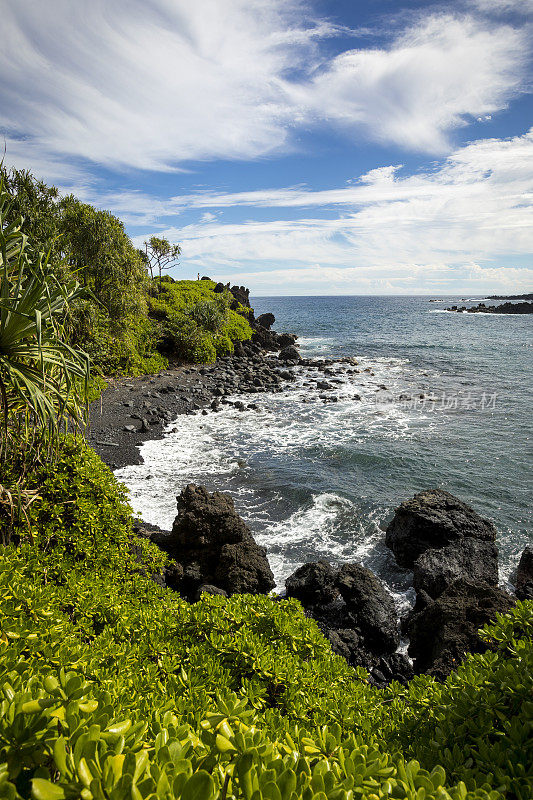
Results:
<point x="43" y="381"/>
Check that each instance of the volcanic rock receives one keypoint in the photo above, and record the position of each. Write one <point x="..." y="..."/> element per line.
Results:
<point x="289" y="354"/>
<point x="313" y="584"/>
<point x="468" y="558"/>
<point x="433" y="518"/>
<point x="355" y="613"/>
<point x="371" y="607"/>
<point x="214" y="546"/>
<point x="266" y="320"/>
<point x="524" y="575"/>
<point x="443" y="632"/>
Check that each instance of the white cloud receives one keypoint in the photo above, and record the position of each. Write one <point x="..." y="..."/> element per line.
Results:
<point x="524" y="7"/>
<point x="435" y="77"/>
<point x="475" y="208"/>
<point x="154" y="83"/>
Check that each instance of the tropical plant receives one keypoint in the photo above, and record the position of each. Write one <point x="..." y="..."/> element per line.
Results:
<point x="43" y="380"/>
<point x="160" y="254"/>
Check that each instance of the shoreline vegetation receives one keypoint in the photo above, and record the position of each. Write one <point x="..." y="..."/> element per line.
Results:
<point x="154" y="665"/>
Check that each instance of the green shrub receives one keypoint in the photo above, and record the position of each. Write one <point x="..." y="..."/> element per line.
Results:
<point x="479" y="723"/>
<point x="223" y="344"/>
<point x="112" y="686"/>
<point x="197" y="324"/>
<point x="91" y="246"/>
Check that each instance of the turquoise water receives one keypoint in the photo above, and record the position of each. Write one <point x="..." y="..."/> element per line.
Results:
<point x="320" y="480"/>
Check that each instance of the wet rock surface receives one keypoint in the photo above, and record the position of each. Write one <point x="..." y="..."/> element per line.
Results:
<point x="437" y="568"/>
<point x="433" y="519"/>
<point x="213" y="547"/>
<point x="524" y="575"/>
<point x="447" y="628"/>
<point x="356" y="613"/>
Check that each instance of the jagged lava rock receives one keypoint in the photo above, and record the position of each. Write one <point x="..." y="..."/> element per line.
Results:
<point x="524" y="575"/>
<point x="355" y="613"/>
<point x="371" y="607"/>
<point x="443" y="632"/>
<point x="438" y="567"/>
<point x="313" y="584"/>
<point x="286" y="340"/>
<point x="434" y="518"/>
<point x="266" y="320"/>
<point x="215" y="547"/>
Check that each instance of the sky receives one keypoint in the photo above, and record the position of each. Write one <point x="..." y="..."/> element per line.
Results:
<point x="296" y="147"/>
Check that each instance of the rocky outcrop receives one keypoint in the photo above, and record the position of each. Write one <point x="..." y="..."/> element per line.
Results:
<point x="313" y="584"/>
<point x="214" y="547"/>
<point x="524" y="575"/>
<point x="433" y="519"/>
<point x="370" y="606"/>
<point x="241" y="295"/>
<point x="447" y="628"/>
<point x="266" y="339"/>
<point x="504" y="308"/>
<point x="266" y="320"/>
<point x="289" y="354"/>
<point x="468" y="558"/>
<point x="356" y="614"/>
<point x="454" y="558"/>
<point x="286" y="340"/>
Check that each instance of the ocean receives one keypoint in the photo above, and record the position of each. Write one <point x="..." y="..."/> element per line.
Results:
<point x="445" y="401"/>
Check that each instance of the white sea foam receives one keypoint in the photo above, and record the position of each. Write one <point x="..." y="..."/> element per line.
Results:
<point x="235" y="451"/>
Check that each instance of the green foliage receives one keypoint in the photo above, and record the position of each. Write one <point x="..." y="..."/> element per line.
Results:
<point x="198" y="325"/>
<point x="112" y="686"/>
<point x="43" y="381"/>
<point x="479" y="724"/>
<point x="92" y="246"/>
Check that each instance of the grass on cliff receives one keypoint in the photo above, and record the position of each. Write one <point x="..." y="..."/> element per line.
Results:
<point x="198" y="324"/>
<point x="111" y="686"/>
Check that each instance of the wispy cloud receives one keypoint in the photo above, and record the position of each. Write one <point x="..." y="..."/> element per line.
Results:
<point x="154" y="84"/>
<point x="475" y="207"/>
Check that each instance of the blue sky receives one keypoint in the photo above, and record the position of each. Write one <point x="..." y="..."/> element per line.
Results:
<point x="341" y="147"/>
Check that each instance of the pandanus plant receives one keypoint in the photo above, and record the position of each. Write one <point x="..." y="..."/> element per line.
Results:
<point x="43" y="380"/>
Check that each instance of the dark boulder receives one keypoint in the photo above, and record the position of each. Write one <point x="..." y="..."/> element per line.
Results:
<point x="355" y="613"/>
<point x="524" y="575"/>
<point x="219" y="288"/>
<point x="289" y="354"/>
<point x="468" y="558"/>
<point x="213" y="545"/>
<point x="371" y="607"/>
<point x="266" y="320"/>
<point x="313" y="584"/>
<point x="443" y="632"/>
<point x="265" y="339"/>
<point x="285" y="340"/>
<point x="433" y="518"/>
<point x="207" y="588"/>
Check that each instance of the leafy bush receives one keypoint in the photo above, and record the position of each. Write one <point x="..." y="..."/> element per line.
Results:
<point x="92" y="246"/>
<point x="479" y="724"/>
<point x="198" y="325"/>
<point x="112" y="686"/>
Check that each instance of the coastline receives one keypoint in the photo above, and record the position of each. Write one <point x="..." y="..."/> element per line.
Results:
<point x="132" y="411"/>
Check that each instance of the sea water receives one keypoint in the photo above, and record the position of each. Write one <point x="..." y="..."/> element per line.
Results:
<point x="445" y="401"/>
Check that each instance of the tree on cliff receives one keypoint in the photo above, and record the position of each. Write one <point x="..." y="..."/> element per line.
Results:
<point x="160" y="255"/>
